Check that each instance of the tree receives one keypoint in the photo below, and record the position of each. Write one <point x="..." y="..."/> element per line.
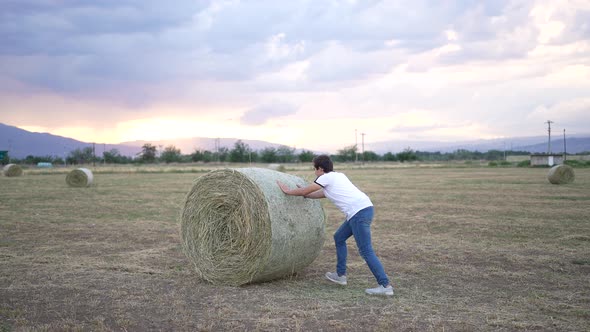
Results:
<point x="306" y="156"/>
<point x="5" y="159"/>
<point x="370" y="156"/>
<point x="432" y="156"/>
<point x="240" y="153"/>
<point x="462" y="154"/>
<point x="171" y="154"/>
<point x="148" y="153"/>
<point x="407" y="155"/>
<point x="389" y="157"/>
<point x="285" y="154"/>
<point x="202" y="155"/>
<point x="223" y="154"/>
<point x="253" y="156"/>
<point x="347" y="154"/>
<point x="208" y="156"/>
<point x="80" y="156"/>
<point x="112" y="156"/>
<point x="494" y="155"/>
<point x="268" y="155"/>
<point x="33" y="160"/>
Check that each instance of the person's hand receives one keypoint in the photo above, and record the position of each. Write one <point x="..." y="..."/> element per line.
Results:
<point x="283" y="187"/>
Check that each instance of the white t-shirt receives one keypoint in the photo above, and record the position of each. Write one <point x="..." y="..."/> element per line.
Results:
<point x="345" y="195"/>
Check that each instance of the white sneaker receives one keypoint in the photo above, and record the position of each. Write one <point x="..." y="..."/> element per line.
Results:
<point x="380" y="290"/>
<point x="334" y="277"/>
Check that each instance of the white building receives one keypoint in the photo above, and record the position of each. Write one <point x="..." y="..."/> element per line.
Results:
<point x="546" y="159"/>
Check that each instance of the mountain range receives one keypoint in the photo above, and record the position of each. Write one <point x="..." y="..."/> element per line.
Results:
<point x="534" y="144"/>
<point x="21" y="143"/>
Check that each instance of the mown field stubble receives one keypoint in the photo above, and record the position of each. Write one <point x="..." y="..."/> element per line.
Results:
<point x="468" y="249"/>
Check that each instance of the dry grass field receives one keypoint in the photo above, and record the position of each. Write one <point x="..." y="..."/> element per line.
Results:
<point x="467" y="249"/>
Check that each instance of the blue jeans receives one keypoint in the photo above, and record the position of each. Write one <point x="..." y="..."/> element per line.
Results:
<point x="359" y="226"/>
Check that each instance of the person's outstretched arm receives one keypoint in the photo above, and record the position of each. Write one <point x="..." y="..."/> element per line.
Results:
<point x="313" y="190"/>
<point x="316" y="194"/>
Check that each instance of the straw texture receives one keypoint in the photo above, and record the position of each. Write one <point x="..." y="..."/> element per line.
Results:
<point x="79" y="178"/>
<point x="561" y="174"/>
<point x="12" y="170"/>
<point x="238" y="227"/>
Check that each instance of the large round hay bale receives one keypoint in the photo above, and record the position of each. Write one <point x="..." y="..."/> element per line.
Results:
<point x="80" y="177"/>
<point x="238" y="227"/>
<point x="12" y="170"/>
<point x="561" y="174"/>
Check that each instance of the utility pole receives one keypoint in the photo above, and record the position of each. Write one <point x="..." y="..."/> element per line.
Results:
<point x="363" y="148"/>
<point x="549" y="122"/>
<point x="9" y="149"/>
<point x="217" y="149"/>
<point x="564" y="152"/>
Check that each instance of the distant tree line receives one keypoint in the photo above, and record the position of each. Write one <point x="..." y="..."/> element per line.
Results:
<point x="242" y="153"/>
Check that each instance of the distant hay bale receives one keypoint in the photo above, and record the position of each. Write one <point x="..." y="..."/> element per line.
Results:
<point x="80" y="177"/>
<point x="12" y="170"/>
<point x="238" y="227"/>
<point x="561" y="174"/>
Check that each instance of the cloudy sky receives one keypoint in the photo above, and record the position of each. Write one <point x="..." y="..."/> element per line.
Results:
<point x="301" y="73"/>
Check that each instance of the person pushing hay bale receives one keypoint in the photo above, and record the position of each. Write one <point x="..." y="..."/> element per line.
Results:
<point x="561" y="174"/>
<point x="12" y="170"/>
<point x="237" y="227"/>
<point x="79" y="178"/>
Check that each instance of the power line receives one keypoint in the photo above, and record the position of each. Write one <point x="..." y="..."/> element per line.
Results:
<point x="363" y="147"/>
<point x="356" y="144"/>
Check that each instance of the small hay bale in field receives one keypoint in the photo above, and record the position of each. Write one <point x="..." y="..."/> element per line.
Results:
<point x="238" y="227"/>
<point x="561" y="174"/>
<point x="11" y="170"/>
<point x="80" y="177"/>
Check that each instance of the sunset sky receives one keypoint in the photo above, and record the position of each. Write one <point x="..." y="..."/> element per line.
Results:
<point x="300" y="73"/>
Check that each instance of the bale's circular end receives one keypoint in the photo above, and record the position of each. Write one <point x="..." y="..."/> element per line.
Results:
<point x="561" y="174"/>
<point x="12" y="170"/>
<point x="79" y="178"/>
<point x="226" y="227"/>
<point x="237" y="227"/>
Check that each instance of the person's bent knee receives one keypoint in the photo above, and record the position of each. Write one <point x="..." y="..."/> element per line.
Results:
<point x="366" y="252"/>
<point x="338" y="240"/>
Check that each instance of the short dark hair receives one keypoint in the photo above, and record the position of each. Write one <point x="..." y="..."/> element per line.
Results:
<point x="324" y="162"/>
